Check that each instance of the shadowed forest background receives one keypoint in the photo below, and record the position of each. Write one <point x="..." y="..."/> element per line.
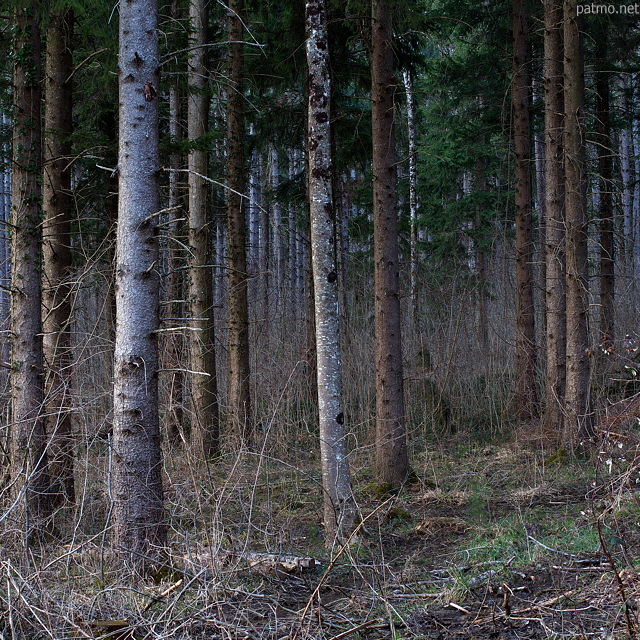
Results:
<point x="319" y="320"/>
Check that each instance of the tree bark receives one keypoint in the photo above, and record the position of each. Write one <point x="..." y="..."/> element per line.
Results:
<point x="605" y="155"/>
<point x="56" y="295"/>
<point x="239" y="403"/>
<point x="526" y="394"/>
<point x="626" y="151"/>
<point x="139" y="529"/>
<point x="5" y="259"/>
<point x="578" y="421"/>
<point x="28" y="447"/>
<point x="339" y="504"/>
<point x="553" y="418"/>
<point x="413" y="201"/>
<point x="391" y="456"/>
<point x="204" y="389"/>
<point x="174" y="342"/>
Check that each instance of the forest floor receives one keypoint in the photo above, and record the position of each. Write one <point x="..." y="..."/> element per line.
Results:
<point x="492" y="541"/>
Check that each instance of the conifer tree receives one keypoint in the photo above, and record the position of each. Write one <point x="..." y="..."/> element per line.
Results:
<point x="57" y="248"/>
<point x="391" y="456"/>
<point x="28" y="446"/>
<point x="556" y="332"/>
<point x="139" y="529"/>
<point x="578" y="419"/>
<point x="239" y="368"/>
<point x="526" y="396"/>
<point x="204" y="388"/>
<point x="339" y="506"/>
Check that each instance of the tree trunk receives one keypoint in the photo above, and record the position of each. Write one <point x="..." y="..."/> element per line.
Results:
<point x="607" y="238"/>
<point x="204" y="391"/>
<point x="626" y="151"/>
<point x="139" y="529"/>
<point x="173" y="341"/>
<point x="554" y="229"/>
<point x="391" y="457"/>
<point x="578" y="423"/>
<point x="413" y="201"/>
<point x="5" y="259"/>
<point x="636" y="201"/>
<point x="239" y="402"/>
<point x="28" y="450"/>
<point x="56" y="295"/>
<point x="339" y="505"/>
<point x="526" y="395"/>
<point x="277" y="235"/>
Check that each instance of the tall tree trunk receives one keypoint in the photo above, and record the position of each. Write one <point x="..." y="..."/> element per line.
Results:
<point x="556" y="335"/>
<point x="626" y="151"/>
<point x="204" y="391"/>
<point x="56" y="295"/>
<point x="277" y="235"/>
<point x="28" y="447"/>
<point x="264" y="248"/>
<point x="391" y="457"/>
<point x="526" y="395"/>
<point x="174" y="342"/>
<point x="139" y="529"/>
<point x="636" y="200"/>
<point x="605" y="153"/>
<point x="5" y="259"/>
<point x="239" y="364"/>
<point x="339" y="505"/>
<point x="578" y="365"/>
<point x="413" y="200"/>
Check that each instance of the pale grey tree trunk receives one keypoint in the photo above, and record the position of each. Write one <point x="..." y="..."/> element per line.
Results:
<point x="254" y="210"/>
<point x="264" y="250"/>
<point x="204" y="391"/>
<point x="339" y="504"/>
<point x="291" y="252"/>
<point x="139" y="529"/>
<point x="30" y="479"/>
<point x="413" y="201"/>
<point x="626" y="150"/>
<point x="277" y="236"/>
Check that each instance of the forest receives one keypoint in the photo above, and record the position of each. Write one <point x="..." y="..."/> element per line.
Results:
<point x="319" y="320"/>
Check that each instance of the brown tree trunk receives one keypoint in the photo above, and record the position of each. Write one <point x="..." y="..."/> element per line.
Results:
<point x="526" y="395"/>
<point x="239" y="364"/>
<point x="204" y="389"/>
<point x="174" y="341"/>
<point x="28" y="447"/>
<point x="556" y="335"/>
<point x="391" y="456"/>
<point x="339" y="504"/>
<point x="139" y="529"/>
<point x="56" y="295"/>
<point x="578" y="422"/>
